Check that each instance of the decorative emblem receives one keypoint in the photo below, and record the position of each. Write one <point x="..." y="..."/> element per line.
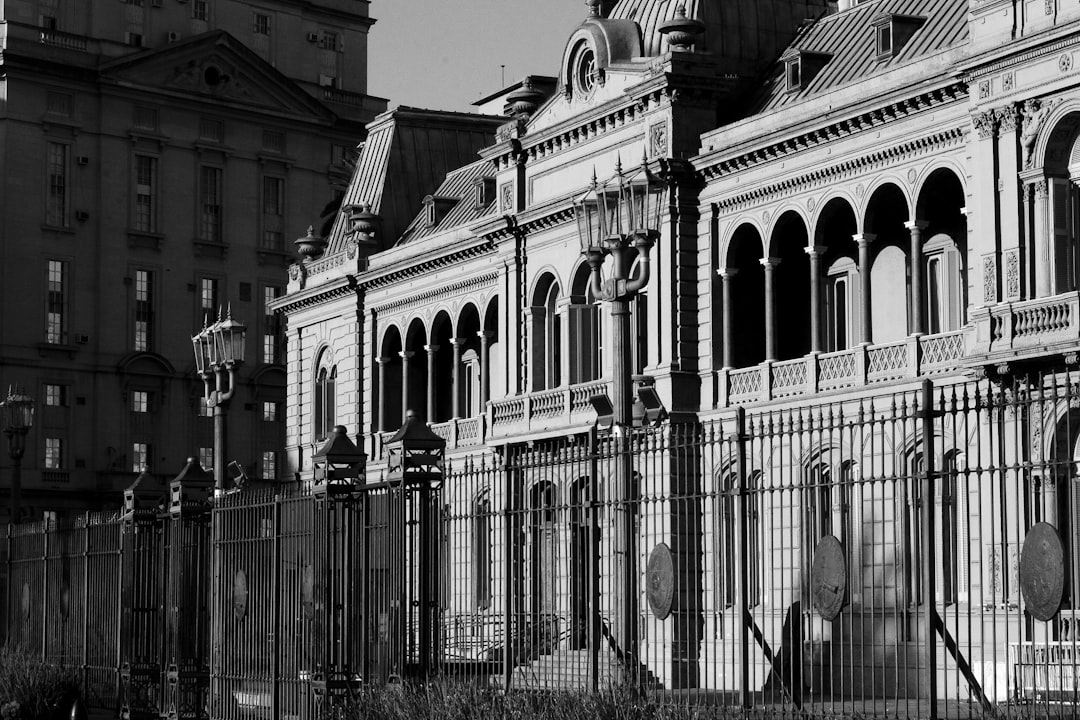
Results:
<point x="1042" y="571"/>
<point x="811" y="204"/>
<point x="1048" y="7"/>
<point x="1065" y="63"/>
<point x="859" y="189"/>
<point x="350" y="248"/>
<point x="989" y="279"/>
<point x="1008" y="81"/>
<point x="828" y="578"/>
<point x="1012" y="274"/>
<point x="984" y="89"/>
<point x="239" y="595"/>
<point x="911" y="175"/>
<point x="506" y="198"/>
<point x="660" y="579"/>
<point x="765" y="216"/>
<point x="658" y="146"/>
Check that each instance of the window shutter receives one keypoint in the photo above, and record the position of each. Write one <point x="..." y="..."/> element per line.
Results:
<point x="1062" y="251"/>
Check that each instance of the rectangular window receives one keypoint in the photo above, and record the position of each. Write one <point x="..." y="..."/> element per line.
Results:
<point x="328" y="40"/>
<point x="59" y="104"/>
<point x="261" y="24"/>
<point x="146" y="118"/>
<point x="200" y="10"/>
<point x="206" y="457"/>
<point x="48" y="22"/>
<point x="133" y="39"/>
<point x="144" y="310"/>
<point x="211" y="129"/>
<point x="210" y="204"/>
<point x="140" y="456"/>
<point x="56" y="395"/>
<point x="54" y="453"/>
<point x="273" y="240"/>
<point x="269" y="465"/>
<point x="146" y="173"/>
<point x="271" y="411"/>
<point x="56" y="331"/>
<point x="273" y="196"/>
<point x="56" y="207"/>
<point x="204" y="407"/>
<point x="273" y="141"/>
<point x="271" y="331"/>
<point x="140" y="401"/>
<point x="208" y="296"/>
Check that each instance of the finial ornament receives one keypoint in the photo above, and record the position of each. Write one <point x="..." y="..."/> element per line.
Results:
<point x="681" y="31"/>
<point x="594" y="7"/>
<point x="310" y="246"/>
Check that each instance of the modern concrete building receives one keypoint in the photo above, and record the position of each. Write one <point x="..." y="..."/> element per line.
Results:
<point x="871" y="208"/>
<point x="159" y="158"/>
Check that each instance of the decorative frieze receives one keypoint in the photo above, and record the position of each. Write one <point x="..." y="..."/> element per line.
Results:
<point x="989" y="279"/>
<point x="1012" y="274"/>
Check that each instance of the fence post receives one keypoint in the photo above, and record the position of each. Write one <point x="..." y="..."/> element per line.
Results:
<point x="929" y="560"/>
<point x="593" y="556"/>
<point x="86" y="603"/>
<point x="45" y="590"/>
<point x="510" y="554"/>
<point x="742" y="632"/>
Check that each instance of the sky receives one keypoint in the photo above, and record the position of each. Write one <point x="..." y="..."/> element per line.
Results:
<point x="445" y="54"/>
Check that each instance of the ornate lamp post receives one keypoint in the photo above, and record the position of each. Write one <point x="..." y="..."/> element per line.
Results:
<point x="16" y="419"/>
<point x="219" y="351"/>
<point x="613" y="217"/>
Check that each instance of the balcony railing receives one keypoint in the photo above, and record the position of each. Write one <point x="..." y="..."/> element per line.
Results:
<point x="1027" y="328"/>
<point x="865" y="365"/>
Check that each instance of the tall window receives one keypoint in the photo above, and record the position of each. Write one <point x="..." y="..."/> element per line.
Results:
<point x="269" y="465"/>
<point x="640" y="312"/>
<point x="271" y="411"/>
<point x="56" y="395"/>
<point x="140" y="401"/>
<point x="273" y="212"/>
<point x="56" y="310"/>
<point x="208" y="299"/>
<point x="54" y="453"/>
<point x="200" y="10"/>
<point x="144" y="310"/>
<point x="206" y="457"/>
<point x="271" y="328"/>
<point x="839" y="282"/>
<point x="261" y="24"/>
<point x="56" y="206"/>
<point x="210" y="204"/>
<point x="325" y="401"/>
<point x="944" y="306"/>
<point x="140" y="456"/>
<point x="145" y="193"/>
<point x="1065" y="202"/>
<point x="481" y="545"/>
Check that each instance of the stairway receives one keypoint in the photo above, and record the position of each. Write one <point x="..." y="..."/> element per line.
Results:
<point x="566" y="669"/>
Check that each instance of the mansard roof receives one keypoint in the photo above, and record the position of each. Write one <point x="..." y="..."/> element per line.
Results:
<point x="848" y="38"/>
<point x="460" y="188"/>
<point x="406" y="156"/>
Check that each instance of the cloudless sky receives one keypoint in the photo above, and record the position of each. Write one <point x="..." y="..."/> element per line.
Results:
<point x="445" y="54"/>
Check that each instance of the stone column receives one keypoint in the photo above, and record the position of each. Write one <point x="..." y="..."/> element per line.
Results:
<point x="726" y="277"/>
<point x="815" y="252"/>
<point x="405" y="356"/>
<point x="485" y="376"/>
<point x="915" y="263"/>
<point x="380" y="423"/>
<point x="1043" y="240"/>
<point x="864" y="240"/>
<point x="770" y="307"/>
<point x="432" y="351"/>
<point x="455" y="397"/>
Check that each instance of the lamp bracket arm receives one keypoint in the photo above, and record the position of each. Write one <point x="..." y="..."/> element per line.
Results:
<point x="224" y="397"/>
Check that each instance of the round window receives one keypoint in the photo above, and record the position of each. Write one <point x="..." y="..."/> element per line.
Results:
<point x="585" y="71"/>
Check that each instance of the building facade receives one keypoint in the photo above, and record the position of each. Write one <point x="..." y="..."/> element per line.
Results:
<point x="865" y="279"/>
<point x="160" y="159"/>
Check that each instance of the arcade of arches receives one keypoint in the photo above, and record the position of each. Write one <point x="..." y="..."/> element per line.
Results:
<point x="803" y="288"/>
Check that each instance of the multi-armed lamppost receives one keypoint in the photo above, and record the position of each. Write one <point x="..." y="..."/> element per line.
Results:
<point x="219" y="351"/>
<point x="622" y="213"/>
<point x="16" y="419"/>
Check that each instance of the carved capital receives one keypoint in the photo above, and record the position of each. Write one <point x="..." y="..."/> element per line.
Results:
<point x="1008" y="118"/>
<point x="986" y="124"/>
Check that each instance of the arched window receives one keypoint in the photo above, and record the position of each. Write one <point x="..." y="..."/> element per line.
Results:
<point x="325" y="410"/>
<point x="841" y="282"/>
<point x="546" y="327"/>
<point x="726" y="542"/>
<point x="943" y="288"/>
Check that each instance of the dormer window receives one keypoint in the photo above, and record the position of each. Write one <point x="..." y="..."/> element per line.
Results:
<point x="892" y="31"/>
<point x="484" y="192"/>
<point x="801" y="66"/>
<point x="436" y="208"/>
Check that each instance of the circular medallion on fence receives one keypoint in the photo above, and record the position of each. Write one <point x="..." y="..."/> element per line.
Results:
<point x="239" y="595"/>
<point x="828" y="577"/>
<point x="1042" y="571"/>
<point x="660" y="581"/>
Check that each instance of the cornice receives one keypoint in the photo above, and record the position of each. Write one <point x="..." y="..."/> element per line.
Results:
<point x="318" y="295"/>
<point x="438" y="292"/>
<point x="976" y="71"/>
<point x="828" y="175"/>
<point x="714" y="165"/>
<point x="413" y="266"/>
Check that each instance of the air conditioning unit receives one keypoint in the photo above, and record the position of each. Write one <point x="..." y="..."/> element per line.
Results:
<point x="313" y="37"/>
<point x="173" y="36"/>
<point x="82" y="159"/>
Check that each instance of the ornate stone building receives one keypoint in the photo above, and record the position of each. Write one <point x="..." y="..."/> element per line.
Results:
<point x="861" y="198"/>
<point x="159" y="159"/>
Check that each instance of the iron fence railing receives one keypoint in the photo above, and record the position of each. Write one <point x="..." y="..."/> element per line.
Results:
<point x="904" y="554"/>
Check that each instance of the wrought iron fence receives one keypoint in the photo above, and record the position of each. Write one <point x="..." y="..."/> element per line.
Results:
<point x="903" y="554"/>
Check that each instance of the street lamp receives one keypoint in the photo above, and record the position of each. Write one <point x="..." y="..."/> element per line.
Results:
<point x="622" y="213"/>
<point x="219" y="351"/>
<point x="16" y="419"/>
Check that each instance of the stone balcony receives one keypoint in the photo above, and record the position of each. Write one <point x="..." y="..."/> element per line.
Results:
<point x="913" y="357"/>
<point x="1026" y="329"/>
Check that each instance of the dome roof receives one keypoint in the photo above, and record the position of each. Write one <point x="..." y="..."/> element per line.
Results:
<point x="747" y="33"/>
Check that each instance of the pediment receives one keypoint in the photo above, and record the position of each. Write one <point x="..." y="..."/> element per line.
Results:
<point x="217" y="66"/>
